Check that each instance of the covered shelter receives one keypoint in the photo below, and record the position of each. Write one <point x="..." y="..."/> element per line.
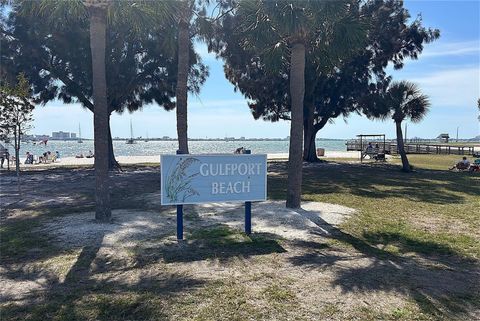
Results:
<point x="372" y="145"/>
<point x="444" y="137"/>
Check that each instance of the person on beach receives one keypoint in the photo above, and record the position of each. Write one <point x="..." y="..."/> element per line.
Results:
<point x="90" y="154"/>
<point x="3" y="155"/>
<point x="57" y="154"/>
<point x="369" y="149"/>
<point x="29" y="158"/>
<point x="43" y="158"/>
<point x="79" y="155"/>
<point x="240" y="150"/>
<point x="462" y="165"/>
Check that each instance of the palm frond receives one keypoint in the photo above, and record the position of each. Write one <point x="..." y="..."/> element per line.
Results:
<point x="407" y="101"/>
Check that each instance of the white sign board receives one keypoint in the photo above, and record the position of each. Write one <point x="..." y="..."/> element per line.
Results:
<point x="193" y="179"/>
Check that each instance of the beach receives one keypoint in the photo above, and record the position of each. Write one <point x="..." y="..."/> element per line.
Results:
<point x="155" y="159"/>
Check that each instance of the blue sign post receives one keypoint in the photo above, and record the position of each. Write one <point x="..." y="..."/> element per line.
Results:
<point x="195" y="179"/>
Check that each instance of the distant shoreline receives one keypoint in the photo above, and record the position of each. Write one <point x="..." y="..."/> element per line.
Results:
<point x="155" y="159"/>
<point x="200" y="139"/>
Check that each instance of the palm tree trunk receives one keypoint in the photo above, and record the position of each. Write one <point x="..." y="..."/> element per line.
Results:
<point x="182" y="78"/>
<point x="401" y="148"/>
<point x="297" y="92"/>
<point x="98" y="24"/>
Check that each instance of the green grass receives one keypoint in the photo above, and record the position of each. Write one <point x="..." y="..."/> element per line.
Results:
<point x="19" y="239"/>
<point x="429" y="214"/>
<point x="436" y="162"/>
<point x="428" y="211"/>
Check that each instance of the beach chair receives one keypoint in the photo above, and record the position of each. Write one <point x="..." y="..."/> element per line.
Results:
<point x="380" y="157"/>
<point x="461" y="166"/>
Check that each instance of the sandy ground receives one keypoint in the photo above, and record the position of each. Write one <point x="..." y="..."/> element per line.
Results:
<point x="132" y="229"/>
<point x="72" y="161"/>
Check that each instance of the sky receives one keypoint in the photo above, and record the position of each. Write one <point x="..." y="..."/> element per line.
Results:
<point x="448" y="71"/>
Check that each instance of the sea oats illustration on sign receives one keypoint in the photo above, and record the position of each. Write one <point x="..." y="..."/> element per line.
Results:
<point x="178" y="187"/>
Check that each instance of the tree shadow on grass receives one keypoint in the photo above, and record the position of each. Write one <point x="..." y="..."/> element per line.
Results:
<point x="58" y="187"/>
<point x="219" y="242"/>
<point x="91" y="291"/>
<point x="380" y="181"/>
<point x="441" y="281"/>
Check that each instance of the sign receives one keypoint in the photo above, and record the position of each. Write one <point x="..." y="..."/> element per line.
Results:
<point x="193" y="179"/>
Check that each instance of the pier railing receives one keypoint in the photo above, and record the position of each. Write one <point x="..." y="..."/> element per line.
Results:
<point x="413" y="148"/>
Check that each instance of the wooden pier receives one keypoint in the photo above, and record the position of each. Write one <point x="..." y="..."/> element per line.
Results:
<point x="413" y="148"/>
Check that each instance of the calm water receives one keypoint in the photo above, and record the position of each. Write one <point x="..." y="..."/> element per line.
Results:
<point x="141" y="148"/>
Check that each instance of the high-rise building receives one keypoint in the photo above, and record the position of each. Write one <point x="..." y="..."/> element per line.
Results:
<point x="60" y="135"/>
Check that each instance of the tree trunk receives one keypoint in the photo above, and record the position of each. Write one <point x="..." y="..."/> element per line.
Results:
<point x="309" y="133"/>
<point x="401" y="148"/>
<point x="182" y="78"/>
<point x="310" y="147"/>
<point x="112" y="162"/>
<point x="98" y="23"/>
<point x="17" y="151"/>
<point x="297" y="92"/>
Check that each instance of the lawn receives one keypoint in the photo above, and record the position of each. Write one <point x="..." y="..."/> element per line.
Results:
<point x="411" y="251"/>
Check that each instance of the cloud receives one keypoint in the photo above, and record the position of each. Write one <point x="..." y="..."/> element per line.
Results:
<point x="458" y="87"/>
<point x="452" y="49"/>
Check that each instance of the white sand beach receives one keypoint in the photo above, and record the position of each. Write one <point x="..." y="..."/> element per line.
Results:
<point x="155" y="160"/>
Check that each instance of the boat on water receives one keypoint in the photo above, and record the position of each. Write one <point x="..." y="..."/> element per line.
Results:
<point x="79" y="135"/>
<point x="131" y="140"/>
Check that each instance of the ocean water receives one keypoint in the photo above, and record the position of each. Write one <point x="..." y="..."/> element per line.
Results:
<point x="141" y="148"/>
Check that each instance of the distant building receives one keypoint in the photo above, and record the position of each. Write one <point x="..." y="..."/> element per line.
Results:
<point x="42" y="137"/>
<point x="60" y="135"/>
<point x="28" y="137"/>
<point x="443" y="138"/>
<point x="73" y="135"/>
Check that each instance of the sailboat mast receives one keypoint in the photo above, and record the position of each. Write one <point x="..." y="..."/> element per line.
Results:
<point x="131" y="129"/>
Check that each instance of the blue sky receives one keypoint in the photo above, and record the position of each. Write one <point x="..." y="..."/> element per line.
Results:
<point x="448" y="71"/>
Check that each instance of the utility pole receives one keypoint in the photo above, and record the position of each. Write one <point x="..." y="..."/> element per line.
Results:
<point x="405" y="139"/>
<point x="457" y="134"/>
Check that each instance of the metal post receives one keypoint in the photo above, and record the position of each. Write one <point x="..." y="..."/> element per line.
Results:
<point x="179" y="222"/>
<point x="248" y="218"/>
<point x="248" y="210"/>
<point x="361" y="149"/>
<point x="179" y="216"/>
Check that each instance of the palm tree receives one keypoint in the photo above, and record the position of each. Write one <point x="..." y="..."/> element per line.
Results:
<point x="96" y="11"/>
<point x="184" y="16"/>
<point x="59" y="12"/>
<point x="282" y="32"/>
<point x="404" y="100"/>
